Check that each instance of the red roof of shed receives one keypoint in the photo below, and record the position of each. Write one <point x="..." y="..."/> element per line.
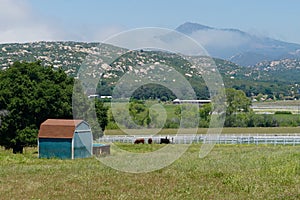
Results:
<point x="58" y="128"/>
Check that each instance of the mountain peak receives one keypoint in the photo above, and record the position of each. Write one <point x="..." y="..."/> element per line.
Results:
<point x="190" y="27"/>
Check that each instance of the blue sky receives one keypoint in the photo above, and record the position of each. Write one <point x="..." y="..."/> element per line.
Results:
<point x="94" y="20"/>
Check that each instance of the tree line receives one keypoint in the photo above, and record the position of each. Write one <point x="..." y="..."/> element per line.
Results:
<point x="238" y="114"/>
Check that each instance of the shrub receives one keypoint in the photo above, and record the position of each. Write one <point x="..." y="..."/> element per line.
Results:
<point x="283" y="113"/>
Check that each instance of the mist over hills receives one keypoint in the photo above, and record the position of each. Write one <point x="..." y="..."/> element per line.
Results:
<point x="239" y="47"/>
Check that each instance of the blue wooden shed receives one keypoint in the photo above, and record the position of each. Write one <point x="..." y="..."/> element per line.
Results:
<point x="65" y="139"/>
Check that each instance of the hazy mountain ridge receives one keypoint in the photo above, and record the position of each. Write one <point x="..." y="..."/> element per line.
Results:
<point x="238" y="46"/>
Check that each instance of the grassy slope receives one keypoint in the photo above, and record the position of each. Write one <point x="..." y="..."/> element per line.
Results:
<point x="228" y="172"/>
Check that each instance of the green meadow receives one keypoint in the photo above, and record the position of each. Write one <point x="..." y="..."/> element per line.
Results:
<point x="228" y="172"/>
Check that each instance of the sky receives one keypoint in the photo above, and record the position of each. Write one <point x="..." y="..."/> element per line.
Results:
<point x="95" y="20"/>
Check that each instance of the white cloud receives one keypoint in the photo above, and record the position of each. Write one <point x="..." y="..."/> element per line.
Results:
<point x="18" y="23"/>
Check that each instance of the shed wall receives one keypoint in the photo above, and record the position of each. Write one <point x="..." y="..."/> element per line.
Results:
<point x="55" y="148"/>
<point x="83" y="144"/>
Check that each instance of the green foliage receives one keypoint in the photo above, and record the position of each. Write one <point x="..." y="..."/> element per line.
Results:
<point x="140" y="113"/>
<point x="204" y="114"/>
<point x="250" y="119"/>
<point x="237" y="101"/>
<point x="129" y="115"/>
<point x="31" y="94"/>
<point x="283" y="113"/>
<point x="239" y="119"/>
<point x="111" y="126"/>
<point x="188" y="115"/>
<point x="205" y="111"/>
<point x="80" y="103"/>
<point x="238" y="108"/>
<point x="101" y="112"/>
<point x="287" y="120"/>
<point x="172" y="123"/>
<point x="153" y="91"/>
<point x="119" y="117"/>
<point x="93" y="111"/>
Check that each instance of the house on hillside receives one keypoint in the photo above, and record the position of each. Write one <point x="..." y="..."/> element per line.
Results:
<point x="65" y="139"/>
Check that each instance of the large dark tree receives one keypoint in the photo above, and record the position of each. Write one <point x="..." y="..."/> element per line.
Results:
<point x="31" y="93"/>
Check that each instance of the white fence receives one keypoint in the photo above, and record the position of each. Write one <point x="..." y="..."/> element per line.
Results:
<point x="280" y="139"/>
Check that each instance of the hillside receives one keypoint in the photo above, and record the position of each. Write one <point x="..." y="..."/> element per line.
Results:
<point x="272" y="78"/>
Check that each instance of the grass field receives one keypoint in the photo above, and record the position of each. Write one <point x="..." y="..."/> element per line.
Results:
<point x="273" y="106"/>
<point x="255" y="130"/>
<point x="278" y="103"/>
<point x="228" y="172"/>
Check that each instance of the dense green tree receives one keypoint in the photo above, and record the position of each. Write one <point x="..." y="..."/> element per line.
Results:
<point x="31" y="93"/>
<point x="140" y="113"/>
<point x="205" y="111"/>
<point x="130" y="115"/>
<point x="237" y="120"/>
<point x="101" y="112"/>
<point x="237" y="101"/>
<point x="188" y="115"/>
<point x="204" y="114"/>
<point x="153" y="91"/>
